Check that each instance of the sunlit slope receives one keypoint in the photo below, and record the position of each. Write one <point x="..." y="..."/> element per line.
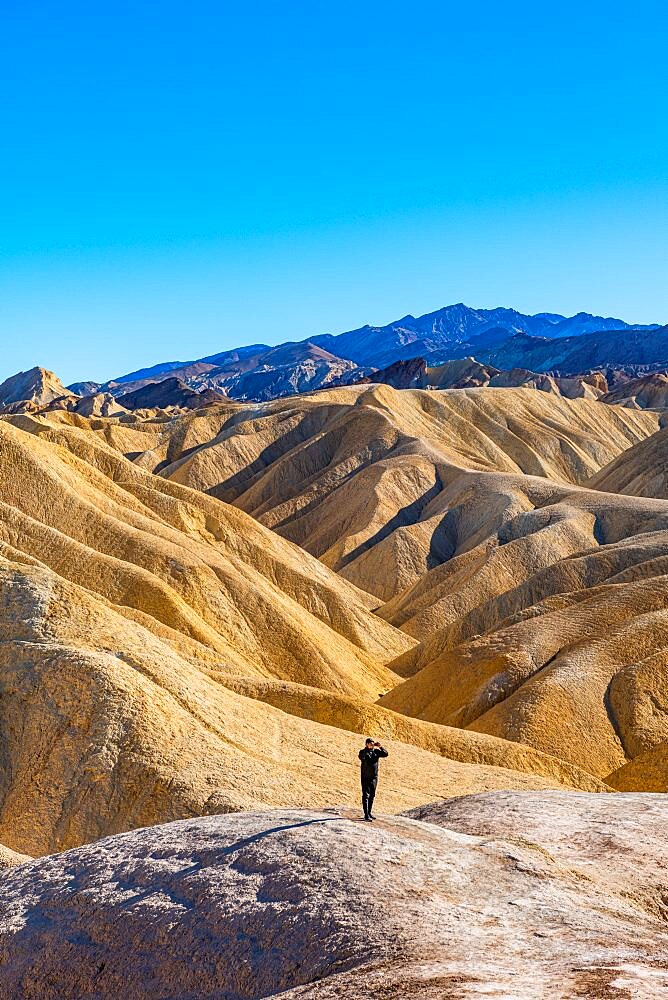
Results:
<point x="106" y="727"/>
<point x="640" y="471"/>
<point x="647" y="772"/>
<point x="579" y="673"/>
<point x="140" y="621"/>
<point x="505" y="533"/>
<point x="524" y="538"/>
<point x="357" y="716"/>
<point x="549" y="626"/>
<point x="185" y="562"/>
<point x="165" y="654"/>
<point x="347" y="472"/>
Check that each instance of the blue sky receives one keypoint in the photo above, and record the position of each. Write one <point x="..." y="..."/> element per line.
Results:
<point x="176" y="179"/>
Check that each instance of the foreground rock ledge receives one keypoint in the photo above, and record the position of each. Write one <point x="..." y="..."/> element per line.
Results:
<point x="503" y="894"/>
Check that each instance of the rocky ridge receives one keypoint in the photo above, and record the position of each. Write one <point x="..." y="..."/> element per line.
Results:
<point x="545" y="897"/>
<point x="261" y="372"/>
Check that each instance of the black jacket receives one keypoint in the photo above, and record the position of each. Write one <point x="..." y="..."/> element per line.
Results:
<point x="369" y="759"/>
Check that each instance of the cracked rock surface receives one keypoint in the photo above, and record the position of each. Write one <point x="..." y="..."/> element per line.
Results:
<point x="505" y="894"/>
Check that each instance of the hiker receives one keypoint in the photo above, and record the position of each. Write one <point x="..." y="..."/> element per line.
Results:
<point x="369" y="757"/>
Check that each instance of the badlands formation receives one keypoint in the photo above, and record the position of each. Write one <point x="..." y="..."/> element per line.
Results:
<point x="204" y="611"/>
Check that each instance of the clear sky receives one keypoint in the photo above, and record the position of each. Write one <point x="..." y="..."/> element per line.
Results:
<point x="178" y="178"/>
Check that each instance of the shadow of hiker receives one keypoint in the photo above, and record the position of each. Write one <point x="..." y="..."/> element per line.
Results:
<point x="214" y="853"/>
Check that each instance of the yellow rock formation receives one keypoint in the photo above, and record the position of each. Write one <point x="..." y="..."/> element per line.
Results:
<point x="347" y="472"/>
<point x="206" y="612"/>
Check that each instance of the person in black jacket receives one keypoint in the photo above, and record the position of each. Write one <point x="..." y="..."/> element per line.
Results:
<point x="369" y="757"/>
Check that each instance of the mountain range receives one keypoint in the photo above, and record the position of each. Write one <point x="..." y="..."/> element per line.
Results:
<point x="207" y="604"/>
<point x="502" y="337"/>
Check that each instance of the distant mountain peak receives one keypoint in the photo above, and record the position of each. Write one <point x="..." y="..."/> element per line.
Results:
<point x="259" y="371"/>
<point x="168" y="392"/>
<point x="37" y="386"/>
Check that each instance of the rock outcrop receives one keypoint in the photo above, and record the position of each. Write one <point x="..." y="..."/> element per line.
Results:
<point x="530" y="896"/>
<point x="30" y="390"/>
<point x="647" y="392"/>
<point x="168" y="392"/>
<point x="101" y="404"/>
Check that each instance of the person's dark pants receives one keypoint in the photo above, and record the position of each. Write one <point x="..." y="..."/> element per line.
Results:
<point x="368" y="794"/>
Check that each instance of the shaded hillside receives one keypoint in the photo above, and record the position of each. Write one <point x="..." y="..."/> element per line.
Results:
<point x="255" y="373"/>
<point x="467" y="373"/>
<point x="583" y="353"/>
<point x="169" y="392"/>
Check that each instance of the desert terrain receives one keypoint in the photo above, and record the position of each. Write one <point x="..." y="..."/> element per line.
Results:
<point x="207" y="604"/>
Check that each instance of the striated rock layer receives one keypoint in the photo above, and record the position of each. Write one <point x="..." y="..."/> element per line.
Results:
<point x="475" y="603"/>
<point x="362" y="477"/>
<point x="132" y="613"/>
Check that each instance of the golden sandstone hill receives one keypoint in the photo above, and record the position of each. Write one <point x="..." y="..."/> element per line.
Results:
<point x="641" y="471"/>
<point x="368" y="478"/>
<point x="204" y="612"/>
<point x="141" y="620"/>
